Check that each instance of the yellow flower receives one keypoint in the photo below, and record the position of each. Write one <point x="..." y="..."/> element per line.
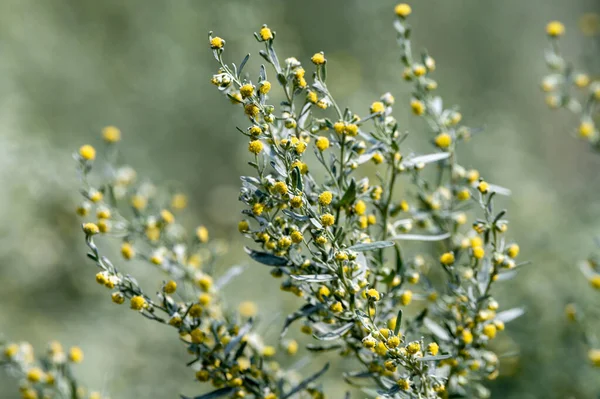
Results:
<point x="472" y="175"/>
<point x="103" y="226"/>
<point x="312" y="97"/>
<point x="75" y="354"/>
<point x="11" y="350"/>
<point x="264" y="87"/>
<point x="463" y="195"/>
<point x="478" y="252"/>
<point x="325" y="198"/>
<point x="336" y="307"/>
<point x="381" y="349"/>
<point x="170" y="287"/>
<point x="419" y="70"/>
<point x="205" y="282"/>
<point x="417" y="107"/>
<point x="394" y="341"/>
<point x="586" y="129"/>
<point x="292" y="347"/>
<point x="489" y="330"/>
<point x="318" y="58"/>
<point x="339" y="127"/>
<point x="280" y="188"/>
<point x="247" y="309"/>
<point x="413" y="347"/>
<point x="406" y="297"/>
<point x="555" y="29"/>
<point x="139" y="202"/>
<point x="297" y="237"/>
<point x="595" y="281"/>
<point x="513" y="250"/>
<point x="111" y="134"/>
<point x="217" y="43"/>
<point x="360" y="207"/>
<point x="402" y="10"/>
<point x="137" y="302"/>
<point x="35" y="374"/>
<point x="483" y="187"/>
<point x="243" y="226"/>
<point x="90" y="229"/>
<point x="351" y="129"/>
<point x="167" y="216"/>
<point x="268" y="351"/>
<point x="447" y="259"/>
<point x="251" y="110"/>
<point x="255" y="146"/>
<point x="377" y="107"/>
<point x="117" y="298"/>
<point x="258" y="209"/>
<point x="582" y="80"/>
<point x="327" y="219"/>
<point x="377" y="158"/>
<point x="29" y="393"/>
<point x="467" y="336"/>
<point x="322" y="143"/>
<point x="179" y="201"/>
<point x="87" y="152"/>
<point x="265" y="33"/>
<point x="443" y="140"/>
<point x="373" y="294"/>
<point x="433" y="348"/>
<point x="247" y="90"/>
<point x="594" y="356"/>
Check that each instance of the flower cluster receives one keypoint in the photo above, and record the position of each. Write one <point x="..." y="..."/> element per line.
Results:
<point x="145" y="220"/>
<point x="575" y="91"/>
<point x="343" y="243"/>
<point x="570" y="88"/>
<point x="49" y="376"/>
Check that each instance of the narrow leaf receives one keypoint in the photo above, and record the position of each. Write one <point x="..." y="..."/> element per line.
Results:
<point x="370" y="246"/>
<point x="510" y="315"/>
<point x="304" y="384"/>
<point x="420" y="237"/>
<point x="266" y="258"/>
<point x="331" y="335"/>
<point x="214" y="394"/>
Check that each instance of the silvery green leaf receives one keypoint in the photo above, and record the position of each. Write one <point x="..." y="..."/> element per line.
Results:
<point x="314" y="278"/>
<point x="304" y="384"/>
<point x="244" y="61"/>
<point x="434" y="358"/>
<point x="510" y="315"/>
<point x="436" y="329"/>
<point x="262" y="73"/>
<point x="587" y="269"/>
<point x="266" y="258"/>
<point x="506" y="275"/>
<point x="300" y="313"/>
<point x="250" y="179"/>
<point x="437" y="105"/>
<point x="295" y="216"/>
<point x="279" y="168"/>
<point x="370" y="246"/>
<point x="322" y="347"/>
<point x="316" y="223"/>
<point x="398" y="322"/>
<point x="500" y="190"/>
<point x="425" y="159"/>
<point x="228" y="276"/>
<point x="214" y="394"/>
<point x="237" y="339"/>
<point x="420" y="237"/>
<point x="334" y="334"/>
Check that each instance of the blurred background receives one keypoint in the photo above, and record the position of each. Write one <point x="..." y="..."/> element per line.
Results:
<point x="69" y="68"/>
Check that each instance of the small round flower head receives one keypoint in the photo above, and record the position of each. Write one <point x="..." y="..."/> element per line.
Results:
<point x="170" y="287"/>
<point x="292" y="347"/>
<point x="594" y="356"/>
<point x="377" y="158"/>
<point x="327" y="219"/>
<point x="377" y="107"/>
<point x="111" y="134"/>
<point x="467" y="336"/>
<point x="137" y="302"/>
<point x="513" y="250"/>
<point x="216" y="43"/>
<point x="373" y="294"/>
<point x="413" y="347"/>
<point x="586" y="129"/>
<point x="166" y="216"/>
<point x="35" y="374"/>
<point x="478" y="252"/>
<point x="75" y="354"/>
<point x="91" y="229"/>
<point x="351" y="129"/>
<point x="297" y="237"/>
<point x="179" y="201"/>
<point x="265" y="33"/>
<point x="251" y="110"/>
<point x="322" y="143"/>
<point x="443" y="140"/>
<point x="483" y="187"/>
<point x="360" y="207"/>
<point x="555" y="29"/>
<point x="243" y="226"/>
<point x="117" y="298"/>
<point x="247" y="309"/>
<point x="433" y="348"/>
<point x="336" y="307"/>
<point x="296" y="201"/>
<point x="447" y="259"/>
<point x="489" y="330"/>
<point x="581" y="80"/>
<point x="318" y="58"/>
<point x="87" y="152"/>
<point x="202" y="234"/>
<point x="280" y="188"/>
<point x="264" y="87"/>
<point x="406" y="297"/>
<point x="595" y="281"/>
<point x="402" y="10"/>
<point x="268" y="351"/>
<point x="325" y="198"/>
<point x="255" y="147"/>
<point x="419" y="70"/>
<point x="247" y="90"/>
<point x="417" y="107"/>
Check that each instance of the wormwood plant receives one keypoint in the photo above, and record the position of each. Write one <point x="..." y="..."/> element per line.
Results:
<point x="573" y="90"/>
<point x="416" y="318"/>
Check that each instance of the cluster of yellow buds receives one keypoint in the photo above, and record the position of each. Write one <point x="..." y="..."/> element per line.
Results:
<point x="50" y="375"/>
<point x="329" y="239"/>
<point x="226" y="352"/>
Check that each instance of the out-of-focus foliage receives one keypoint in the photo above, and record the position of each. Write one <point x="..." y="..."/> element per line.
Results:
<point x="68" y="68"/>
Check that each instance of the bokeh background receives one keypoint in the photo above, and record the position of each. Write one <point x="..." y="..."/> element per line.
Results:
<point x="70" y="67"/>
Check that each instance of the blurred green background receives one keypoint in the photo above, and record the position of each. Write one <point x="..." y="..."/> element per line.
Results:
<point x="70" y="67"/>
